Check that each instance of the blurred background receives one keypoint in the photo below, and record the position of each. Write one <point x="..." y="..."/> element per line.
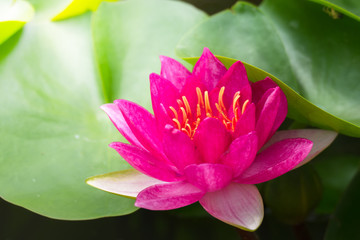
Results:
<point x="326" y="181"/>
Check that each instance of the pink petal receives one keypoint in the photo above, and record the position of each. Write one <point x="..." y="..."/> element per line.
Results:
<point x="115" y="115"/>
<point x="146" y="163"/>
<point x="235" y="80"/>
<point x="127" y="183"/>
<point x="276" y="160"/>
<point x="163" y="95"/>
<point x="179" y="148"/>
<point x="164" y="118"/>
<point x="142" y="124"/>
<point x="209" y="70"/>
<point x="239" y="205"/>
<point x="174" y="71"/>
<point x="241" y="153"/>
<point x="208" y="176"/>
<point x="321" y="139"/>
<point x="168" y="196"/>
<point x="246" y="122"/>
<point x="259" y="88"/>
<point x="266" y="111"/>
<point x="211" y="139"/>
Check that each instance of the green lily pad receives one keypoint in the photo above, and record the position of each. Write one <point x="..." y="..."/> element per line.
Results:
<point x="311" y="53"/>
<point x="335" y="8"/>
<point x="300" y="108"/>
<point x="345" y="222"/>
<point x="129" y="39"/>
<point x="52" y="134"/>
<point x="13" y="16"/>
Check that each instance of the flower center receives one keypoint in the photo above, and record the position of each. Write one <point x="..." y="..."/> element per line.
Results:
<point x="185" y="121"/>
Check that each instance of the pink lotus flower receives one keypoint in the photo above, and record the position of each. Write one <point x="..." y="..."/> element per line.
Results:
<point x="211" y="138"/>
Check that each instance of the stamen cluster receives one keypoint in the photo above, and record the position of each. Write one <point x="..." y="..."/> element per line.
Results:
<point x="183" y="118"/>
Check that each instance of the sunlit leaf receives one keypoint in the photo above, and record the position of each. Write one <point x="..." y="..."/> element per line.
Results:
<point x="298" y="107"/>
<point x="53" y="136"/>
<point x="311" y="53"/>
<point x="336" y="8"/>
<point x="77" y="7"/>
<point x="13" y="16"/>
<point x="129" y="39"/>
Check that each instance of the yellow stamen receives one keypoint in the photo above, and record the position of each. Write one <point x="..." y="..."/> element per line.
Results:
<point x="236" y="114"/>
<point x="186" y="131"/>
<point x="188" y="127"/>
<point x="185" y="122"/>
<point x="207" y="104"/>
<point x="235" y="105"/>
<point x="187" y="105"/>
<point x="222" y="112"/>
<point x="233" y="124"/>
<point x="235" y="100"/>
<point x="174" y="111"/>
<point x="177" y="123"/>
<point x="244" y="106"/>
<point x="180" y="103"/>
<point x="197" y="123"/>
<point x="184" y="114"/>
<point x="220" y="98"/>
<point x="198" y="111"/>
<point x="198" y="120"/>
<point x="200" y="98"/>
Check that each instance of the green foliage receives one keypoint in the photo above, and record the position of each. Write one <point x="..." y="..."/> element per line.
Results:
<point x="345" y="223"/>
<point x="343" y="167"/>
<point x="52" y="134"/>
<point x="295" y="41"/>
<point x="55" y="75"/>
<point x="299" y="108"/>
<point x="336" y="8"/>
<point x="78" y="7"/>
<point x="13" y="16"/>
<point x="294" y="195"/>
<point x="129" y="39"/>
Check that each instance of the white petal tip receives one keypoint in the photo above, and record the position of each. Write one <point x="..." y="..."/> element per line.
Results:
<point x="126" y="183"/>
